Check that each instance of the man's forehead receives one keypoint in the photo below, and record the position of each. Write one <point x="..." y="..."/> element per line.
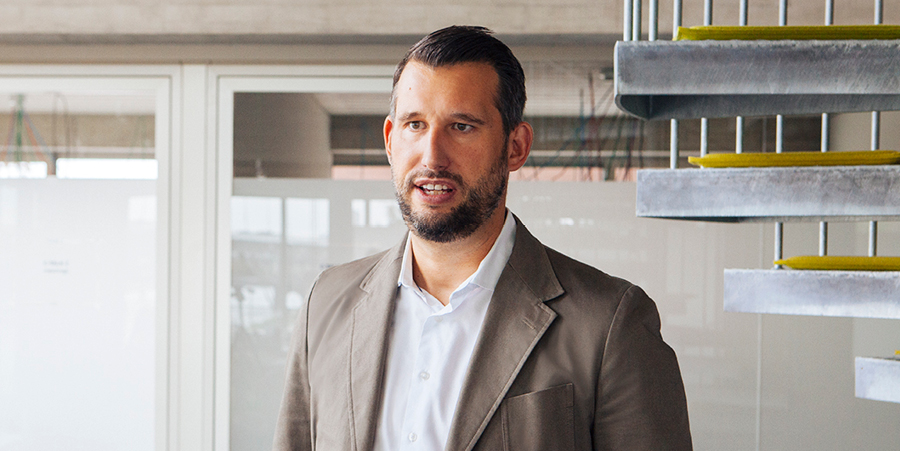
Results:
<point x="467" y="80"/>
<point x="416" y="68"/>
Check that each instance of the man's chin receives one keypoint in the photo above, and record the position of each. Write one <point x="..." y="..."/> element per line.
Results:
<point x="432" y="226"/>
<point x="429" y="222"/>
<point x="437" y="234"/>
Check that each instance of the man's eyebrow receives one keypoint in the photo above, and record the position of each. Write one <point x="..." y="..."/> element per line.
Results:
<point x="409" y="115"/>
<point x="465" y="117"/>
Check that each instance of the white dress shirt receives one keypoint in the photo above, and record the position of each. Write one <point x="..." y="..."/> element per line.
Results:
<point x="430" y="348"/>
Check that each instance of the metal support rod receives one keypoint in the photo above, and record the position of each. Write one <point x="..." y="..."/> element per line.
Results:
<point x="673" y="124"/>
<point x="823" y="226"/>
<point x="873" y="239"/>
<point x="739" y="121"/>
<point x="779" y="242"/>
<point x="782" y="12"/>
<point x="876" y="130"/>
<point x="779" y="119"/>
<point x="779" y="133"/>
<point x="704" y="122"/>
<point x="876" y="144"/>
<point x="779" y="146"/>
<point x="676" y="16"/>
<point x="823" y="238"/>
<point x="626" y="25"/>
<point x="743" y="18"/>
<point x="673" y="144"/>
<point x="829" y="12"/>
<point x="653" y="20"/>
<point x="636" y="21"/>
<point x="879" y="12"/>
<point x="704" y="137"/>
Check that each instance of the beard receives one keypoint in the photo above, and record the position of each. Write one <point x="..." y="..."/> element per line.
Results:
<point x="463" y="220"/>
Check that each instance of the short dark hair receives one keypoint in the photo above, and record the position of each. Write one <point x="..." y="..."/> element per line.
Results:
<point x="470" y="44"/>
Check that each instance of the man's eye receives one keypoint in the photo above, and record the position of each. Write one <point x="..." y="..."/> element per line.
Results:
<point x="415" y="125"/>
<point x="462" y="127"/>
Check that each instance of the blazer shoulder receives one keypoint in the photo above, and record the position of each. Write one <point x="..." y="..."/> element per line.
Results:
<point x="571" y="288"/>
<point x="580" y="278"/>
<point x="601" y="299"/>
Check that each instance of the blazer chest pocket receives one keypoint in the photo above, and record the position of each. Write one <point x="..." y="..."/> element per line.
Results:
<point x="539" y="421"/>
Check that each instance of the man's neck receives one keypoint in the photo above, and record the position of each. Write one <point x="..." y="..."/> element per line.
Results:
<point x="439" y="268"/>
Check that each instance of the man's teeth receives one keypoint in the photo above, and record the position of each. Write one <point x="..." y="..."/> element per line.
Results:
<point x="433" y="187"/>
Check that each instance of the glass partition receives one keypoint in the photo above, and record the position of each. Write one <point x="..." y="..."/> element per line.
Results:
<point x="303" y="197"/>
<point x="677" y="263"/>
<point x="280" y="243"/>
<point x="79" y="240"/>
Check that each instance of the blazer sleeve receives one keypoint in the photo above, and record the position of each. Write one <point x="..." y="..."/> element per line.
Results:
<point x="641" y="403"/>
<point x="293" y="430"/>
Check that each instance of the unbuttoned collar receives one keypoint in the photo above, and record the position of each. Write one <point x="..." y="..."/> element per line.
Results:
<point x="488" y="272"/>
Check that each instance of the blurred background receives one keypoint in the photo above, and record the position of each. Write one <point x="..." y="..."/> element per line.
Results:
<point x="174" y="175"/>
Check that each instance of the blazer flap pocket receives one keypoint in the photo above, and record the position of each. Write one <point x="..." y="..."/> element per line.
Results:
<point x="541" y="420"/>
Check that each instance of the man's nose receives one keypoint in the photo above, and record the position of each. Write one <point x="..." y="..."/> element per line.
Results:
<point x="435" y="154"/>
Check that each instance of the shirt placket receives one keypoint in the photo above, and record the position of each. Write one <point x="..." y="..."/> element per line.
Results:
<point x="419" y="432"/>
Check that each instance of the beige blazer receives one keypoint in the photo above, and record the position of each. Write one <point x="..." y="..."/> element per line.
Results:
<point x="569" y="358"/>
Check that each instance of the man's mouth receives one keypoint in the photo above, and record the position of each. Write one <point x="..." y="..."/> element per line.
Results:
<point x="433" y="189"/>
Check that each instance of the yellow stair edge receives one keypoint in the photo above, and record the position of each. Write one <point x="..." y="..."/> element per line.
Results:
<point x="792" y="32"/>
<point x="746" y="160"/>
<point x="841" y="263"/>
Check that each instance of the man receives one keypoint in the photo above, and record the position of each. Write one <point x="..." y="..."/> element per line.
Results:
<point x="470" y="334"/>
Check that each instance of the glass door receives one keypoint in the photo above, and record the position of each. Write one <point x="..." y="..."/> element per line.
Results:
<point x="284" y="219"/>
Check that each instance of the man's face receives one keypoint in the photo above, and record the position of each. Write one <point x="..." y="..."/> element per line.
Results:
<point x="449" y="155"/>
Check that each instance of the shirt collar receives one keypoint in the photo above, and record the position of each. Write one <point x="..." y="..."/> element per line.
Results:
<point x="488" y="272"/>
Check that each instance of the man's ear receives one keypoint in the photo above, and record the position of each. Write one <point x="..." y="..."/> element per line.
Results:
<point x="519" y="145"/>
<point x="388" y="126"/>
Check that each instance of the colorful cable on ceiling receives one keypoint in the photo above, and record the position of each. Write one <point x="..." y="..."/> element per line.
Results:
<point x="21" y="128"/>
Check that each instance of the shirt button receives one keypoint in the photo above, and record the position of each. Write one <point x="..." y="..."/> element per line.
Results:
<point x="413" y="437"/>
<point x="424" y="375"/>
<point x="439" y="319"/>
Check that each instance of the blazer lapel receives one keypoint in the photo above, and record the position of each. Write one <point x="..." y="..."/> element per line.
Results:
<point x="515" y="321"/>
<point x="368" y="346"/>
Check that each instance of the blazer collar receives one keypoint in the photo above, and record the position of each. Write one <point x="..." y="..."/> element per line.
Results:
<point x="369" y="334"/>
<point x="515" y="321"/>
